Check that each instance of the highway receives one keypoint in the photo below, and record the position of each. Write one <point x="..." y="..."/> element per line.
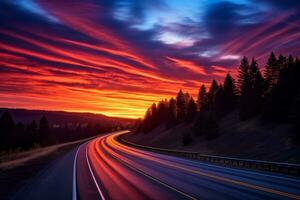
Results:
<point x="106" y="169"/>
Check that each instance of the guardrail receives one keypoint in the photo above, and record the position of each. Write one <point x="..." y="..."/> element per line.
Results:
<point x="278" y="167"/>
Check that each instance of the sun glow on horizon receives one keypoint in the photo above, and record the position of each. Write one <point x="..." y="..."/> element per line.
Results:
<point x="117" y="59"/>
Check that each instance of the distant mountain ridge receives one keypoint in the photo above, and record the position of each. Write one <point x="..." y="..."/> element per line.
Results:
<point x="62" y="117"/>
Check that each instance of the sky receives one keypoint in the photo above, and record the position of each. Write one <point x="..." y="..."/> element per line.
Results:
<point x="116" y="57"/>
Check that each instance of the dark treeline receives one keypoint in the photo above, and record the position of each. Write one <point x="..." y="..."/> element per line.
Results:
<point x="19" y="136"/>
<point x="274" y="95"/>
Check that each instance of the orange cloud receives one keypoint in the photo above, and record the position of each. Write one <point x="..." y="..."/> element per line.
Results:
<point x="106" y="75"/>
<point x="222" y="71"/>
<point x="191" y="66"/>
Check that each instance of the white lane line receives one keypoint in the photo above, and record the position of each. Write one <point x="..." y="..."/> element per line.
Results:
<point x="232" y="181"/>
<point x="98" y="188"/>
<point x="158" y="181"/>
<point x="74" y="192"/>
<point x="152" y="177"/>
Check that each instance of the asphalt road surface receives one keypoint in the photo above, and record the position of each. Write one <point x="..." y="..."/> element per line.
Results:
<point x="103" y="168"/>
<point x="54" y="182"/>
<point x="107" y="169"/>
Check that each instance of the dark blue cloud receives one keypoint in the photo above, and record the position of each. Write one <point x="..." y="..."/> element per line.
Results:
<point x="218" y="23"/>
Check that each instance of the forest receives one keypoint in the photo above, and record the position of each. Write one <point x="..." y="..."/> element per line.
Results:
<point x="20" y="136"/>
<point x="272" y="94"/>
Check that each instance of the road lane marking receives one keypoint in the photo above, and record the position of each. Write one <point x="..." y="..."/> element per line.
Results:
<point x="255" y="187"/>
<point x="154" y="179"/>
<point x="74" y="192"/>
<point x="74" y="184"/>
<point x="293" y="196"/>
<point x="90" y="169"/>
<point x="197" y="162"/>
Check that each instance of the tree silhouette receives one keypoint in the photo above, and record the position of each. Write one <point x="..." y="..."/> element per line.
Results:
<point x="282" y="62"/>
<point x="280" y="98"/>
<point x="257" y="85"/>
<point x="230" y="93"/>
<point x="246" y="90"/>
<point x="243" y="72"/>
<point x="171" y="119"/>
<point x="202" y="98"/>
<point x="290" y="62"/>
<point x="154" y="116"/>
<point x="32" y="132"/>
<point x="181" y="106"/>
<point x="271" y="73"/>
<point x="191" y="110"/>
<point x="211" y="95"/>
<point x="19" y="136"/>
<point x="251" y="90"/>
<point x="25" y="136"/>
<point x="7" y="129"/>
<point x="44" y="135"/>
<point x="147" y="121"/>
<point x="218" y="109"/>
<point x="187" y="97"/>
<point x="276" y="96"/>
<point x="162" y="111"/>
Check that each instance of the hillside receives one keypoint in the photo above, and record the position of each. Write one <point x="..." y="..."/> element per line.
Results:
<point x="247" y="139"/>
<point x="23" y="130"/>
<point x="256" y="116"/>
<point x="61" y="117"/>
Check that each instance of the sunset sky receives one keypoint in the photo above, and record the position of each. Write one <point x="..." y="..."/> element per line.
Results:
<point x="116" y="57"/>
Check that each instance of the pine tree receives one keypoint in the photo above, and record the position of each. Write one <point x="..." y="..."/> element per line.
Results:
<point x="146" y="126"/>
<point x="202" y="98"/>
<point x="162" y="111"/>
<point x="259" y="88"/>
<point x="171" y="119"/>
<point x="242" y="73"/>
<point x="245" y="99"/>
<point x="45" y="136"/>
<point x="187" y="97"/>
<point x="7" y="124"/>
<point x="257" y="83"/>
<point x="32" y="132"/>
<point x="181" y="106"/>
<point x="290" y="62"/>
<point x="218" y="109"/>
<point x="282" y="62"/>
<point x="253" y="69"/>
<point x="280" y="99"/>
<point x="20" y="137"/>
<point x="271" y="73"/>
<point x="154" y="120"/>
<point x="246" y="90"/>
<point x="211" y="95"/>
<point x="191" y="110"/>
<point x="7" y="128"/>
<point x="153" y="109"/>
<point x="230" y="93"/>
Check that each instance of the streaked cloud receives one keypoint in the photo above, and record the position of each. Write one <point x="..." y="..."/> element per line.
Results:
<point x="118" y="56"/>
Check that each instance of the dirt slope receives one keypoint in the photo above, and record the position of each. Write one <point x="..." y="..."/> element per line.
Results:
<point x="248" y="139"/>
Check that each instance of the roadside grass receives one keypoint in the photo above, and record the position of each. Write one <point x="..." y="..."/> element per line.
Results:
<point x="16" y="157"/>
<point x="18" y="167"/>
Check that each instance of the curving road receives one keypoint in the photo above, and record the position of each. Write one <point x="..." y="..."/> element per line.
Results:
<point x="107" y="169"/>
